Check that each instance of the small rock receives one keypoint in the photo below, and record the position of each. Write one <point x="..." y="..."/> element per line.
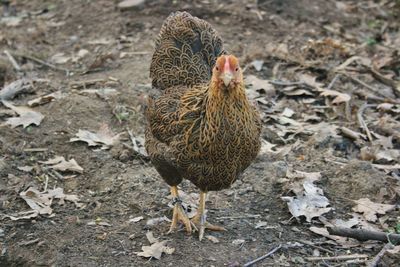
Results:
<point x="129" y="4"/>
<point x="238" y="242"/>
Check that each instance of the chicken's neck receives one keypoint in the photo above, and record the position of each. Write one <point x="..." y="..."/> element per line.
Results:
<point x="220" y="100"/>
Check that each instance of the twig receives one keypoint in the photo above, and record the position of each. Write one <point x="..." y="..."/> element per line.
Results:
<point x="41" y="62"/>
<point x="362" y="122"/>
<point x="83" y="84"/>
<point x="374" y="262"/>
<point x="35" y="149"/>
<point x="263" y="257"/>
<point x="46" y="182"/>
<point x="308" y="243"/>
<point x="363" y="84"/>
<point x="12" y="60"/>
<point x="336" y="258"/>
<point x="363" y="235"/>
<point x="239" y="217"/>
<point x="333" y="81"/>
<point x="283" y="83"/>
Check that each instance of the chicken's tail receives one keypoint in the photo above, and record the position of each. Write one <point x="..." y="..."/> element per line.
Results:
<point x="186" y="50"/>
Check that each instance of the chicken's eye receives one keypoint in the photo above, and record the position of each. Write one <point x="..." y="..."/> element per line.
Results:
<point x="216" y="68"/>
<point x="236" y="69"/>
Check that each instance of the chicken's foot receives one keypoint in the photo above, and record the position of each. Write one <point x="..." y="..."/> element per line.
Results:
<point x="200" y="219"/>
<point x="179" y="213"/>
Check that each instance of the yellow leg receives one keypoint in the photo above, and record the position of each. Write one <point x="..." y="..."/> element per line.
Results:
<point x="199" y="220"/>
<point x="179" y="213"/>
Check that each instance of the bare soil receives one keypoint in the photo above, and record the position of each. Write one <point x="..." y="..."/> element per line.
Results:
<point x="118" y="184"/>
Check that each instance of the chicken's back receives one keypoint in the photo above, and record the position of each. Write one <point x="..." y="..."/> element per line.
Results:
<point x="185" y="53"/>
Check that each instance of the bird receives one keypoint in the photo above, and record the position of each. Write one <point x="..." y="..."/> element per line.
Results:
<point x="200" y="125"/>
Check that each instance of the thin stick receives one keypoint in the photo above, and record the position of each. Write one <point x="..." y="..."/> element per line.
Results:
<point x="363" y="235"/>
<point x="41" y="62"/>
<point x="362" y="122"/>
<point x="12" y="60"/>
<point x="364" y="84"/>
<point x="263" y="257"/>
<point x="46" y="183"/>
<point x="314" y="246"/>
<point x="333" y="81"/>
<point x="338" y="258"/>
<point x="283" y="83"/>
<point x="374" y="262"/>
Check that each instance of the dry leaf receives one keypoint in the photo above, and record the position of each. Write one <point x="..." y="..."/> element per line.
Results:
<point x="26" y="117"/>
<point x="45" y="99"/>
<point x="311" y="81"/>
<point x="136" y="219"/>
<point x="151" y="237"/>
<point x="339" y="97"/>
<point x="59" y="163"/>
<point x="155" y="250"/>
<point x="309" y="200"/>
<point x="60" y="58"/>
<point x="212" y="239"/>
<point x="371" y="209"/>
<point x="41" y="201"/>
<point x="104" y="137"/>
<point x="155" y="221"/>
<point x="24" y="215"/>
<point x="25" y="168"/>
<point x="257" y="84"/>
<point x="257" y="64"/>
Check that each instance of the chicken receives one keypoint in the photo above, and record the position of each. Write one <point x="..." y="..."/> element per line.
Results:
<point x="201" y="127"/>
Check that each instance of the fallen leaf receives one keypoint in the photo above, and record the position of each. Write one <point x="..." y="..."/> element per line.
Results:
<point x="60" y="58"/>
<point x="25" y="168"/>
<point x="287" y="112"/>
<point x="26" y="117"/>
<point x="309" y="200"/>
<point x="155" y="250"/>
<point x="104" y="137"/>
<point x="136" y="219"/>
<point x="238" y="242"/>
<point x="212" y="239"/>
<point x="45" y="99"/>
<point x="256" y="84"/>
<point x="24" y="215"/>
<point x="339" y="97"/>
<point x="261" y="224"/>
<point x="155" y="221"/>
<point x="370" y="209"/>
<point x="41" y="201"/>
<point x="151" y="237"/>
<point x="257" y="64"/>
<point x="59" y="163"/>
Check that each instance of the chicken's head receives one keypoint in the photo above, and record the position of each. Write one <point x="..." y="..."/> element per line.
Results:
<point x="227" y="72"/>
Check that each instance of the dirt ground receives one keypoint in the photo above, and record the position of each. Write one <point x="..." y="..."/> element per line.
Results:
<point x="117" y="184"/>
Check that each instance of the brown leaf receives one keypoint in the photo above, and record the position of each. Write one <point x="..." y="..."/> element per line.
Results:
<point x="59" y="163"/>
<point x="26" y="117"/>
<point x="155" y="250"/>
<point x="371" y="209"/>
<point x="104" y="137"/>
<point x="339" y="97"/>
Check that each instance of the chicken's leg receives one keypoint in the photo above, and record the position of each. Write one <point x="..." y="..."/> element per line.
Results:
<point x="199" y="220"/>
<point x="179" y="213"/>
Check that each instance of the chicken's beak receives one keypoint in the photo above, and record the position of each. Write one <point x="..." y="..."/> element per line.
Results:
<point x="227" y="77"/>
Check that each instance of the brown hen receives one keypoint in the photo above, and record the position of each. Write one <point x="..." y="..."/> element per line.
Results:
<point x="201" y="127"/>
